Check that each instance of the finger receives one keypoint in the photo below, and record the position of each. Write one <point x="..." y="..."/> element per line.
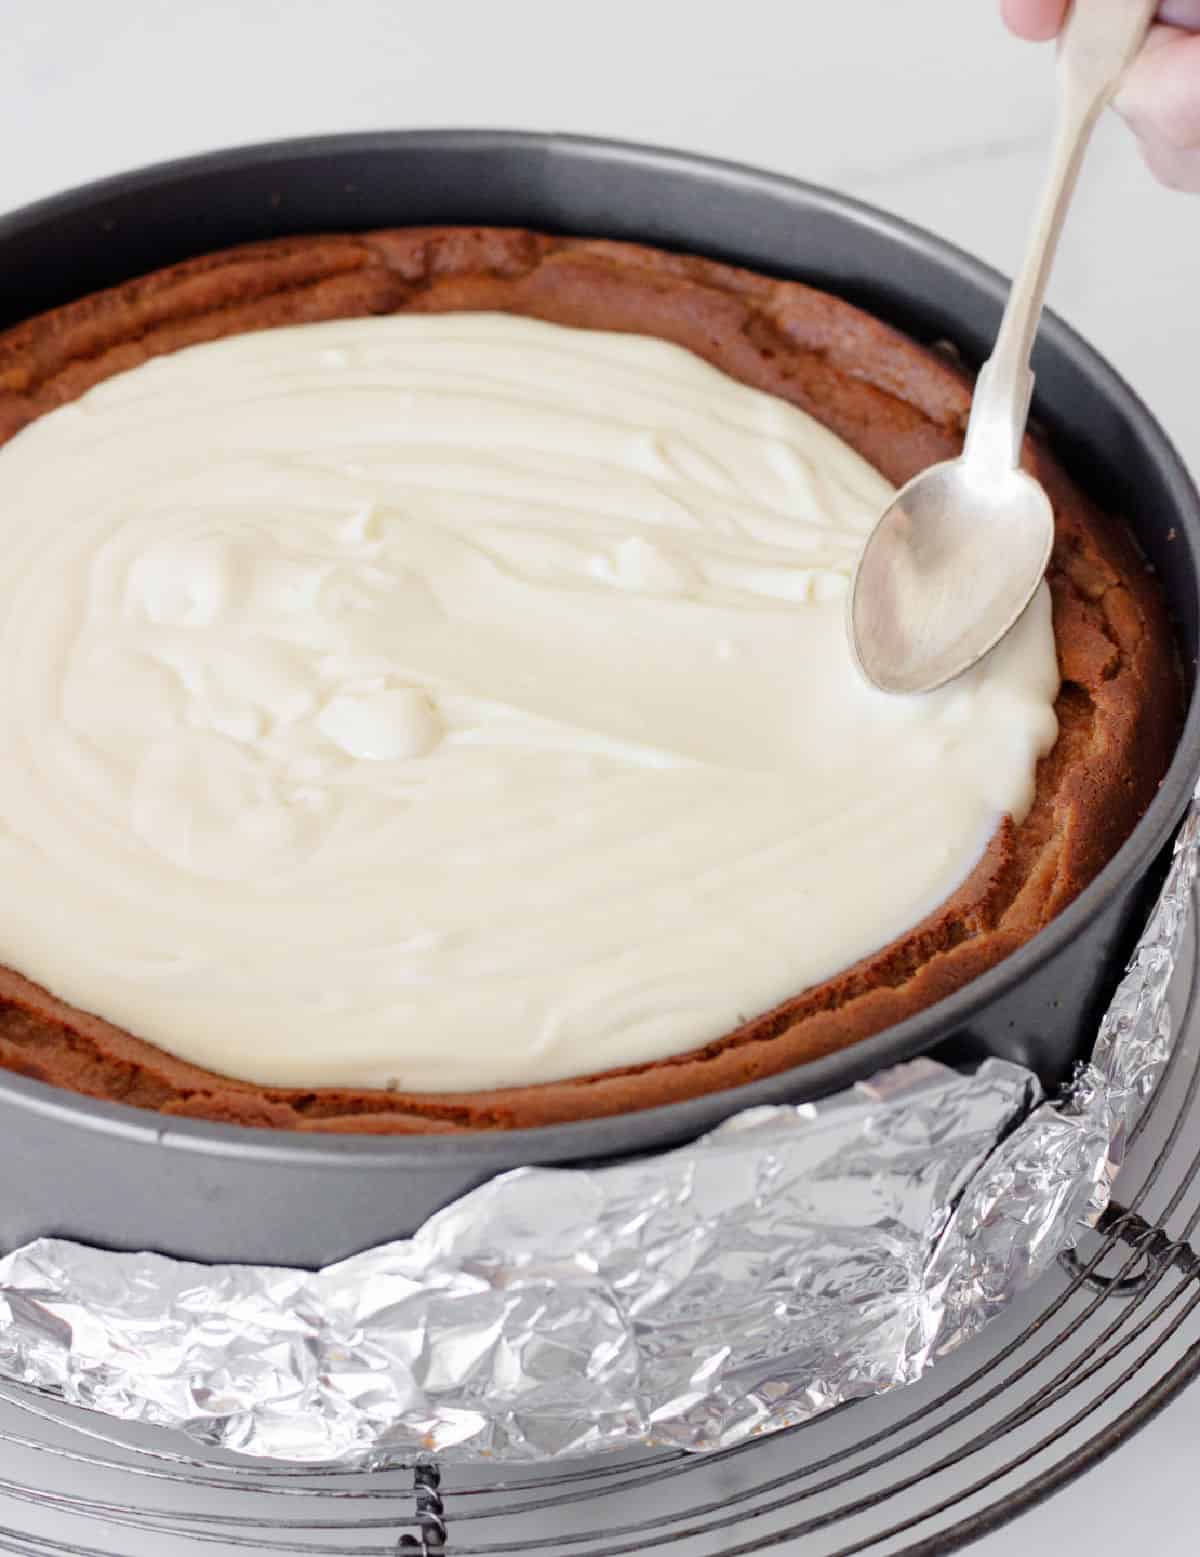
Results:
<point x="1042" y="19"/>
<point x="1160" y="97"/>
<point x="1173" y="166"/>
<point x="1034" y="19"/>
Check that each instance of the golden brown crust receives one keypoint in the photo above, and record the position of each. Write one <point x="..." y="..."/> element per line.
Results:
<point x="898" y="405"/>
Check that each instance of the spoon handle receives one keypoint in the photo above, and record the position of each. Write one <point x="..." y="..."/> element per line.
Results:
<point x="1099" y="41"/>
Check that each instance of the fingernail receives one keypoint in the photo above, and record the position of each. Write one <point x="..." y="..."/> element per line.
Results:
<point x="1180" y="13"/>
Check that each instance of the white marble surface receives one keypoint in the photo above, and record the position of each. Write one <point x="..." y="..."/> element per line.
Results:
<point x="922" y="106"/>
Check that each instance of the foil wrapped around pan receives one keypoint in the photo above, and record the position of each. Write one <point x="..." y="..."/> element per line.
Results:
<point x="791" y="1260"/>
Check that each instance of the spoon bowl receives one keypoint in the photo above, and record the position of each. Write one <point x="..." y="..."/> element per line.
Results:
<point x="949" y="568"/>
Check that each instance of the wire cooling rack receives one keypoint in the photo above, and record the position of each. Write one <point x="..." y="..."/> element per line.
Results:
<point x="1058" y="1382"/>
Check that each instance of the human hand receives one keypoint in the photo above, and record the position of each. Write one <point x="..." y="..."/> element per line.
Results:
<point x="1160" y="96"/>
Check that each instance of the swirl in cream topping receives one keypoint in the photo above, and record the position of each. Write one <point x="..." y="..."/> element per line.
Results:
<point x="457" y="702"/>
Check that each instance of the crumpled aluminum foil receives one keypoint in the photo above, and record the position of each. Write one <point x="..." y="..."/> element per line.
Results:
<point x="793" y="1259"/>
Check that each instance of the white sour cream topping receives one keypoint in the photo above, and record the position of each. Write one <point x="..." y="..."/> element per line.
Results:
<point x="459" y="702"/>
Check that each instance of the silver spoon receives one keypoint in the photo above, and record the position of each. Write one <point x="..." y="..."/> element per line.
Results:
<point x="959" y="552"/>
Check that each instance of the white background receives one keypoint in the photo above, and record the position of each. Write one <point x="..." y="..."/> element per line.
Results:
<point x="922" y="106"/>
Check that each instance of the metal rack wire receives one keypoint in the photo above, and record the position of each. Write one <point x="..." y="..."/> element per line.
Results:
<point x="1054" y="1385"/>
